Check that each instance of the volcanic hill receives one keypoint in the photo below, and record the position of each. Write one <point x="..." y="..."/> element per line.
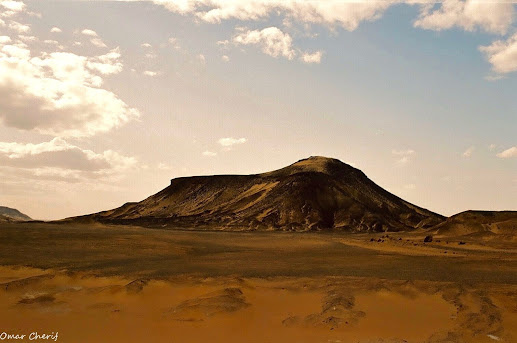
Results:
<point x="317" y="193"/>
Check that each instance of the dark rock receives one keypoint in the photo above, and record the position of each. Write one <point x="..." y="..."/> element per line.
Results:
<point x="136" y="286"/>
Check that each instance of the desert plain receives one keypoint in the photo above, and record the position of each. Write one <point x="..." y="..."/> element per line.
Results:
<point x="107" y="283"/>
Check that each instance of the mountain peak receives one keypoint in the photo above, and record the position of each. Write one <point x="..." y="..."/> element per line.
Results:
<point x="318" y="164"/>
<point x="318" y="160"/>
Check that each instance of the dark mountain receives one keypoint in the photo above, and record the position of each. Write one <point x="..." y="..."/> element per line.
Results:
<point x="11" y="214"/>
<point x="479" y="222"/>
<point x="312" y="194"/>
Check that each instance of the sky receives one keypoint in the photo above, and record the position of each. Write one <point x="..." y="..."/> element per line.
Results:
<point x="103" y="102"/>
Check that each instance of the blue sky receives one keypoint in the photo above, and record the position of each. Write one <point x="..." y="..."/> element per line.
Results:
<point x="119" y="97"/>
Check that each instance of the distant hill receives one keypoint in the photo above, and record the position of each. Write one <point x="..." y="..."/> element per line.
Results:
<point x="469" y="222"/>
<point x="317" y="193"/>
<point x="11" y="214"/>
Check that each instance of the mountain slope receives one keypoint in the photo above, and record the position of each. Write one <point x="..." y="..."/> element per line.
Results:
<point x="11" y="214"/>
<point x="470" y="222"/>
<point x="314" y="193"/>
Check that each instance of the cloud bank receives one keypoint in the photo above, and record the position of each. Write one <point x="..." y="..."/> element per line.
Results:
<point x="493" y="17"/>
<point x="59" y="93"/>
<point x="59" y="154"/>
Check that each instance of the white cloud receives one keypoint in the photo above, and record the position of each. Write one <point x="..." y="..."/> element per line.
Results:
<point x="403" y="152"/>
<point x="404" y="156"/>
<point x="492" y="147"/>
<point x="223" y="43"/>
<point x="225" y="58"/>
<point x="95" y="39"/>
<point x="24" y="38"/>
<point x="508" y="153"/>
<point x="202" y="59"/>
<point x="468" y="153"/>
<point x="11" y="7"/>
<point x="179" y="6"/>
<point x="150" y="73"/>
<point x="271" y="40"/>
<point x="312" y="58"/>
<point x="275" y="43"/>
<point x="106" y="64"/>
<point x="59" y="93"/>
<point x="5" y="39"/>
<point x="491" y="16"/>
<point x="502" y="55"/>
<point x="230" y="141"/>
<point x="174" y="42"/>
<point x="344" y="13"/>
<point x="493" y="78"/>
<point x="50" y="41"/>
<point x="16" y="51"/>
<point x="98" y="43"/>
<point x="209" y="153"/>
<point x="88" y="32"/>
<point x="18" y="150"/>
<point x="163" y="166"/>
<point x="55" y="30"/>
<point x="19" y="27"/>
<point x="146" y="45"/>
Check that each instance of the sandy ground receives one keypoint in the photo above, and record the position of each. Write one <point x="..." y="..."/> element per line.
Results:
<point x="133" y="285"/>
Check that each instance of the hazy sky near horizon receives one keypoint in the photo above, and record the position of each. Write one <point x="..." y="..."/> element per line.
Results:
<point x="103" y="102"/>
